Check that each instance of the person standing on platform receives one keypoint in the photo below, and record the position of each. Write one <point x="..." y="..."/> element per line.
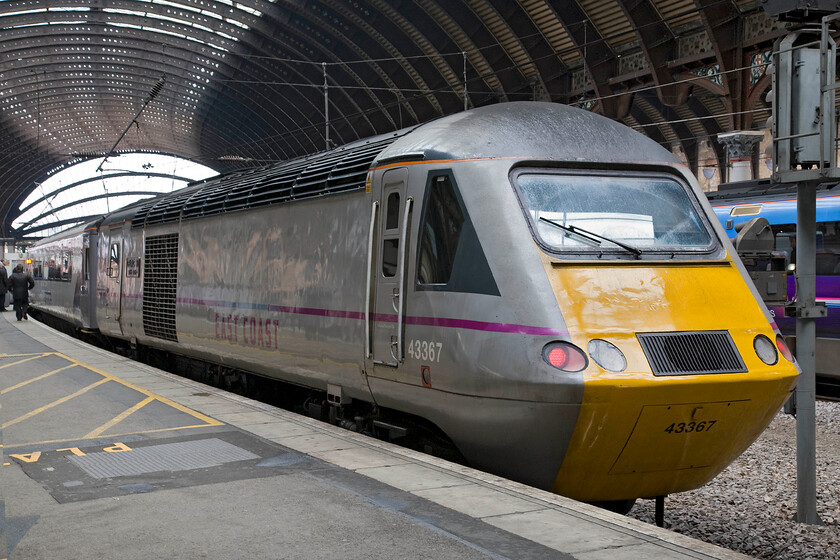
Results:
<point x="4" y="282"/>
<point x="19" y="284"/>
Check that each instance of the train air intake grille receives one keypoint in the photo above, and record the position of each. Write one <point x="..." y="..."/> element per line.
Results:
<point x="336" y="171"/>
<point x="160" y="283"/>
<point x="688" y="353"/>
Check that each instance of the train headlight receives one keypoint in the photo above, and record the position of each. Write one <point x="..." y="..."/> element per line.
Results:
<point x="564" y="356"/>
<point x="606" y="355"/>
<point x="766" y="350"/>
<point x="783" y="348"/>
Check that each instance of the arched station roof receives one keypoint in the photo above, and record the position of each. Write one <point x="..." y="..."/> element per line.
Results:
<point x="234" y="84"/>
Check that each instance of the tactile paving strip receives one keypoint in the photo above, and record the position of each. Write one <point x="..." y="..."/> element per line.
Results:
<point x="182" y="456"/>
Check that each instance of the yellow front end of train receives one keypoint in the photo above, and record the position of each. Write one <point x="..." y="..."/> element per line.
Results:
<point x="646" y="434"/>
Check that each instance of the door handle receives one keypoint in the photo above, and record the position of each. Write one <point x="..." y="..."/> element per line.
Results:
<point x="373" y="210"/>
<point x="399" y="295"/>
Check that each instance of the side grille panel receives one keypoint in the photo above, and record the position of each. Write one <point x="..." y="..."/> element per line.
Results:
<point x="689" y="353"/>
<point x="160" y="282"/>
<point x="336" y="171"/>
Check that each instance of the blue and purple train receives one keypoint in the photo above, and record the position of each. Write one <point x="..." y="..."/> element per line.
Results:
<point x="736" y="203"/>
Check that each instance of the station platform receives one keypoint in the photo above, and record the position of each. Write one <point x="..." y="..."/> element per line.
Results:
<point x="108" y="458"/>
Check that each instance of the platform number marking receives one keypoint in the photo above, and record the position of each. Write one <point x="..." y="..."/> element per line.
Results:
<point x="36" y="455"/>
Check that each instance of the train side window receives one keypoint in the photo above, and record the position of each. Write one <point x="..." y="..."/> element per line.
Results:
<point x="114" y="261"/>
<point x="828" y="249"/>
<point x="439" y="233"/>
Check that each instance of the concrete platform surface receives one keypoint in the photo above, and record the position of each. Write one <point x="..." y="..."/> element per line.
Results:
<point x="106" y="458"/>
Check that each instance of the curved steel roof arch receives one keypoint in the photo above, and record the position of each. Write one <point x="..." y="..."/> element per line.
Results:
<point x="244" y="81"/>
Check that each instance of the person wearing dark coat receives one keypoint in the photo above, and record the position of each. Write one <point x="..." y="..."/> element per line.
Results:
<point x="19" y="284"/>
<point x="4" y="283"/>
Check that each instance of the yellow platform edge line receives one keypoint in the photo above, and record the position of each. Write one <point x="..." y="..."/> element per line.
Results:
<point x="164" y="400"/>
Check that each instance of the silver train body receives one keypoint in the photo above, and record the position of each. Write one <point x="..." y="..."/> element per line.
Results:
<point x="408" y="271"/>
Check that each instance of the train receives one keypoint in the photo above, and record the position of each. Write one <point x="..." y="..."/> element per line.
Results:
<point x="739" y="202"/>
<point x="546" y="287"/>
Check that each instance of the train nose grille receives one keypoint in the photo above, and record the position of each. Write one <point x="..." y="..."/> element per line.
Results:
<point x="687" y="353"/>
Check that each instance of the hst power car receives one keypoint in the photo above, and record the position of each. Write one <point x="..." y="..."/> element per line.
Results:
<point x="545" y="286"/>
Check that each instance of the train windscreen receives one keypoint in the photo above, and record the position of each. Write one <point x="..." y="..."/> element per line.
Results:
<point x="580" y="212"/>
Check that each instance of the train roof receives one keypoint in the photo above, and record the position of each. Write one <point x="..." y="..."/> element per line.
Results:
<point x="70" y="232"/>
<point x="742" y="201"/>
<point x="763" y="189"/>
<point x="531" y="130"/>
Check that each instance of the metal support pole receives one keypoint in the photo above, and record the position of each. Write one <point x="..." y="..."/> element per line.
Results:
<point x="806" y="447"/>
<point x="326" y="108"/>
<point x="464" y="53"/>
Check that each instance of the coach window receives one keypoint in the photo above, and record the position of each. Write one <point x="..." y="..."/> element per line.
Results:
<point x="440" y="231"/>
<point x="828" y="246"/>
<point x="114" y="261"/>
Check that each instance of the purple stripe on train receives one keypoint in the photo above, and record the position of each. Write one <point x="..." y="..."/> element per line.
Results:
<point x="828" y="290"/>
<point x="445" y="322"/>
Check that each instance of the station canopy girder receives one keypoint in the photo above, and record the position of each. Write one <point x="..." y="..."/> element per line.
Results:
<point x="232" y="84"/>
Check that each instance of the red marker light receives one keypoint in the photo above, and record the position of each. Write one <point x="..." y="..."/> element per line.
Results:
<point x="558" y="357"/>
<point x="564" y="356"/>
<point x="783" y="348"/>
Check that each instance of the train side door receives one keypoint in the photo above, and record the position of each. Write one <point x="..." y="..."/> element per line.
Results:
<point x="87" y="280"/>
<point x="111" y="287"/>
<point x="388" y="255"/>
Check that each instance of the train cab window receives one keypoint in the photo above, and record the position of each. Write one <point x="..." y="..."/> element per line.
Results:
<point x="442" y="222"/>
<point x="450" y="257"/>
<point x="613" y="214"/>
<point x="114" y="261"/>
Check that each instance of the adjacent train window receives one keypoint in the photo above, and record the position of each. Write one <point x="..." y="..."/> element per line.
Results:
<point x="828" y="246"/>
<point x="615" y="214"/>
<point x="439" y="232"/>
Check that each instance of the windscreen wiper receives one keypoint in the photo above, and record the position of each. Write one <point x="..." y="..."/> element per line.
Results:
<point x="592" y="236"/>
